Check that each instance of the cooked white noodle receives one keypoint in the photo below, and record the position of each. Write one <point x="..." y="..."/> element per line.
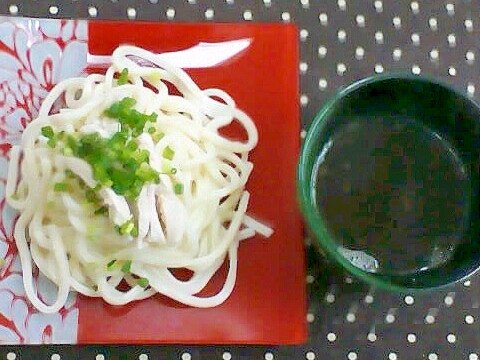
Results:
<point x="195" y="229"/>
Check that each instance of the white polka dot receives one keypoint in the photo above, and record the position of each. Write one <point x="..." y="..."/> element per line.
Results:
<point x="92" y="11"/>
<point x="209" y="14"/>
<point x="450" y="9"/>
<point x="473" y="356"/>
<point x="348" y="280"/>
<point x="267" y="3"/>
<point x="397" y="54"/>
<point x="469" y="319"/>
<point x="268" y="356"/>
<point x="467" y="283"/>
<point x="429" y="319"/>
<point x="372" y="337"/>
<point x="416" y="71"/>
<point x="368" y="299"/>
<point x="226" y="356"/>
<point x="409" y="300"/>
<point x="303" y="34"/>
<point x="470" y="56"/>
<point x="304" y="100"/>
<point x="434" y="54"/>
<point x="469" y="25"/>
<point x="322" y="84"/>
<point x="310" y="279"/>
<point x="390" y="318"/>
<point x="53" y="10"/>
<point x="342" y="5"/>
<point x="230" y="2"/>
<point x="432" y="356"/>
<point x="411" y="338"/>
<point x="303" y="134"/>
<point x="451" y="338"/>
<point x="131" y="13"/>
<point x="359" y="53"/>
<point x="305" y="3"/>
<point x="392" y="356"/>
<point x="379" y="37"/>
<point x="303" y="67"/>
<point x="449" y="298"/>
<point x="470" y="92"/>
<point x="433" y="23"/>
<point x="247" y="15"/>
<point x="13" y="9"/>
<point x="452" y="40"/>
<point x="286" y="16"/>
<point x="415" y="39"/>
<point x="415" y="7"/>
<point x="323" y="19"/>
<point x="322" y="51"/>
<point x="360" y="19"/>
<point x="452" y="72"/>
<point x="310" y="355"/>
<point x="397" y="22"/>
<point x="170" y="13"/>
<point x="331" y="337"/>
<point x="341" y="68"/>
<point x="378" y="4"/>
<point x="145" y="357"/>
<point x="378" y="68"/>
<point x="351" y="317"/>
<point x="11" y="356"/>
<point x="55" y="357"/>
<point x="352" y="355"/>
<point x="342" y="35"/>
<point x="100" y="357"/>
<point x="310" y="317"/>
<point x="192" y="2"/>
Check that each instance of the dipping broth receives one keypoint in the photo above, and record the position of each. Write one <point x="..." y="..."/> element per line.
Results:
<point x="394" y="193"/>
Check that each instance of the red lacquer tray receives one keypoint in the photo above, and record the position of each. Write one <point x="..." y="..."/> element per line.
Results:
<point x="268" y="303"/>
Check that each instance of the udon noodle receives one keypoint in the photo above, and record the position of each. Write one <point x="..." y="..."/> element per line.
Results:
<point x="120" y="180"/>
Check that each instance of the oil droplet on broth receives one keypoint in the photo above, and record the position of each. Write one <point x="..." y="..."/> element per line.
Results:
<point x="394" y="193"/>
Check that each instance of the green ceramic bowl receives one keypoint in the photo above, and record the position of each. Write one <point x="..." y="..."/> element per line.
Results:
<point x="437" y="106"/>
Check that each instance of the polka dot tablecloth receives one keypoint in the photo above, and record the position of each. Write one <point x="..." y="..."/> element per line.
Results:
<point x="340" y="41"/>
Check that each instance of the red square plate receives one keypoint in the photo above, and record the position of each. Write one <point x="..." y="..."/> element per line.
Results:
<point x="268" y="304"/>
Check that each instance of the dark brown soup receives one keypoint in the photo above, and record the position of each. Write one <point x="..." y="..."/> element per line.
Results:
<point x="394" y="192"/>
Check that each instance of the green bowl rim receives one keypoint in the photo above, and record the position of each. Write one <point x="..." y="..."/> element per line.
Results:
<point x="316" y="223"/>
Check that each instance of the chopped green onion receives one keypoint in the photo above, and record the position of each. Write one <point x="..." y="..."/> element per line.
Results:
<point x="126" y="266"/>
<point x="143" y="282"/>
<point x="173" y="171"/>
<point x="126" y="227"/>
<point x="111" y="264"/>
<point x="47" y="131"/>
<point x="61" y="187"/>
<point x="134" y="232"/>
<point x="67" y="151"/>
<point x="168" y="153"/>
<point x="69" y="173"/>
<point x="151" y="130"/>
<point x="178" y="188"/>
<point x="52" y="143"/>
<point x="158" y="136"/>
<point x="123" y="78"/>
<point x="101" y="211"/>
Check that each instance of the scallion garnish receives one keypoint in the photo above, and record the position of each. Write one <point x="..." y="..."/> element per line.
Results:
<point x="123" y="78"/>
<point x="143" y="282"/>
<point x="126" y="266"/>
<point x="61" y="187"/>
<point x="178" y="188"/>
<point x="48" y="132"/>
<point x="168" y="153"/>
